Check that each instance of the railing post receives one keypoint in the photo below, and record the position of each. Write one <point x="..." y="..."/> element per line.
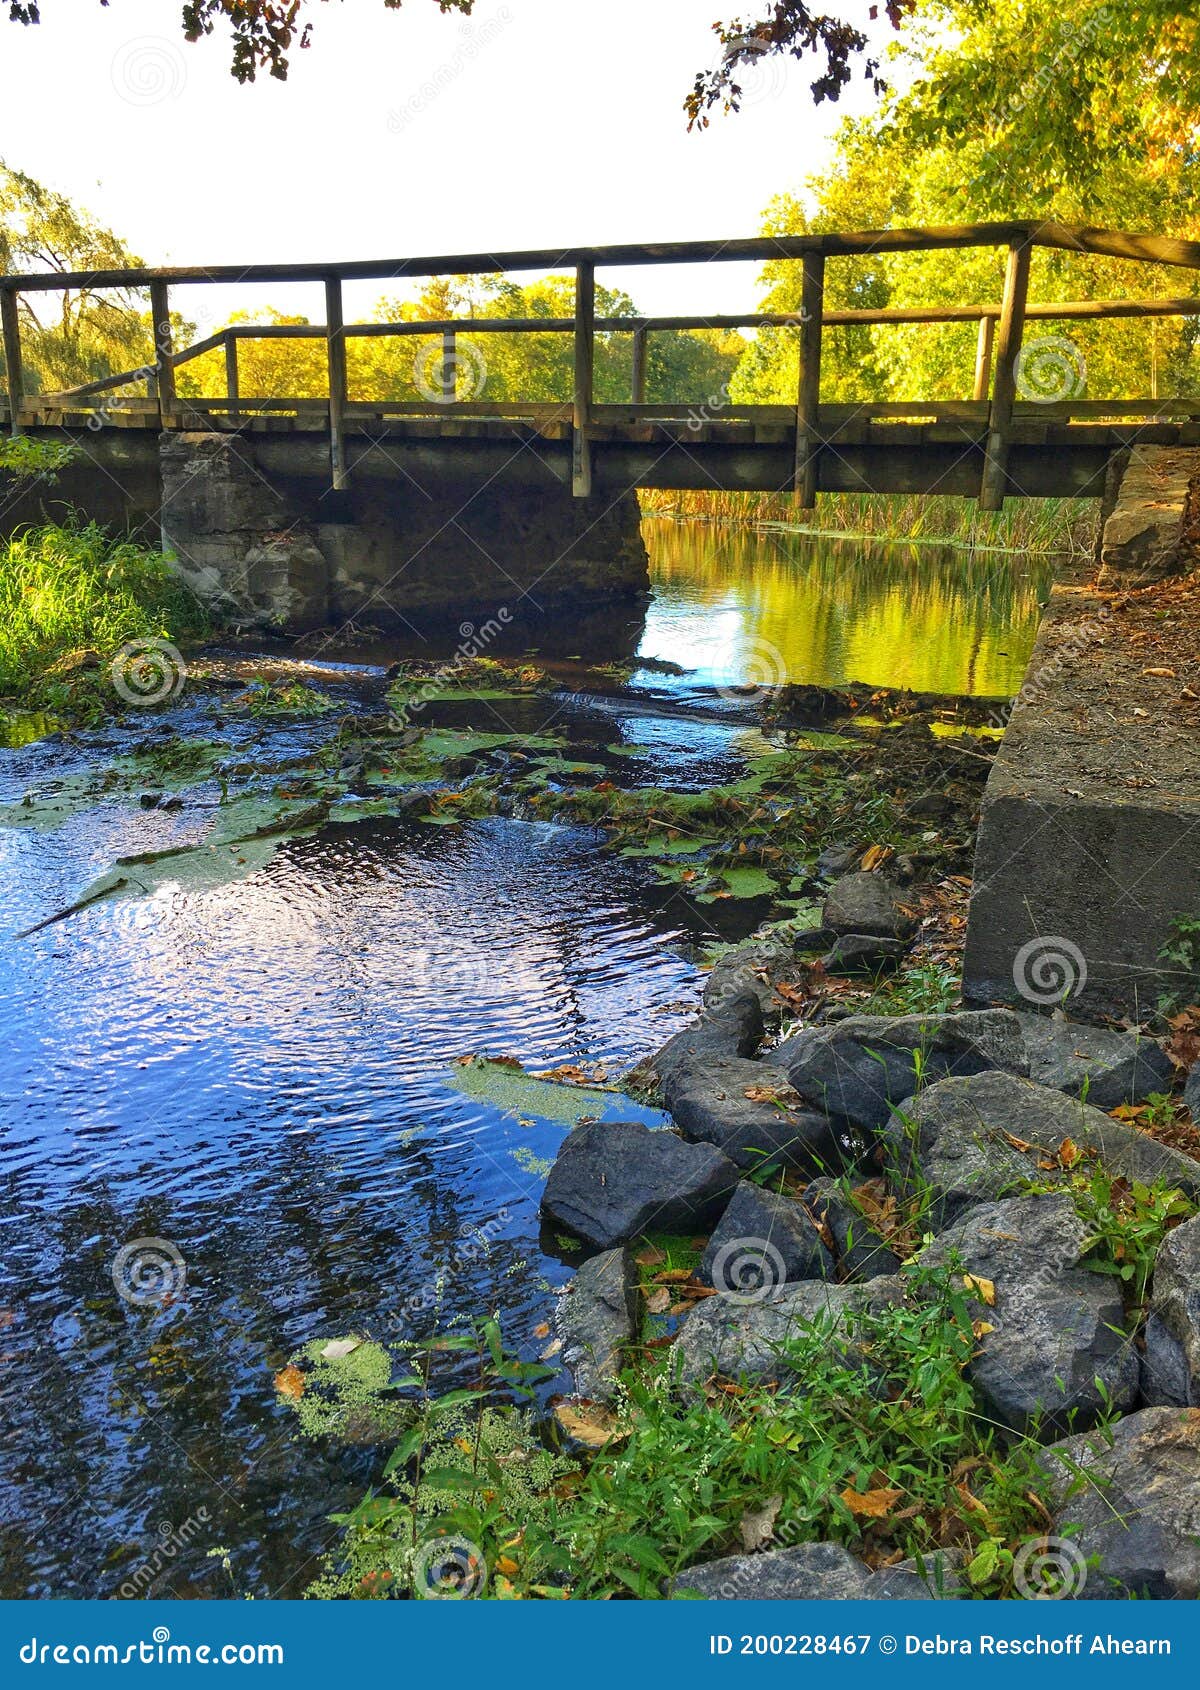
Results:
<point x="808" y="393"/>
<point x="160" y="318"/>
<point x="585" y="326"/>
<point x="232" y="381"/>
<point x="11" y="325"/>
<point x="335" y="345"/>
<point x="637" y="383"/>
<point x="449" y="367"/>
<point x="983" y="357"/>
<point x="1004" y="384"/>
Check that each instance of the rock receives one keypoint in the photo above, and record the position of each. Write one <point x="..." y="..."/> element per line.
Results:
<point x="960" y="1142"/>
<point x="809" y="1572"/>
<point x="861" y="1068"/>
<point x="756" y="967"/>
<point x="763" y="1240"/>
<point x="735" y="1028"/>
<point x="852" y="951"/>
<point x="837" y="859"/>
<point x="1114" y="1067"/>
<point x="1058" y="1354"/>
<point x="1136" y="1506"/>
<point x="596" y="1315"/>
<point x="1171" y="1365"/>
<point x="709" y="1103"/>
<point x="860" y="1251"/>
<point x="741" y="1339"/>
<point x="867" y="903"/>
<point x="1191" y="1093"/>
<point x="614" y="1180"/>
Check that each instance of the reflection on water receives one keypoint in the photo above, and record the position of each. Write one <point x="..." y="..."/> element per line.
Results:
<point x="729" y="601"/>
<point x="258" y="1073"/>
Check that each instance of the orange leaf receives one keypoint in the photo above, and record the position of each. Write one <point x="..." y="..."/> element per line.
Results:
<point x="542" y="1331"/>
<point x="290" y="1382"/>
<point x="871" y="1504"/>
<point x="1068" y="1153"/>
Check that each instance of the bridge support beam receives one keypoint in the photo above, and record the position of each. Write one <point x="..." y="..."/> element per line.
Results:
<point x="11" y="325"/>
<point x="1004" y="387"/>
<point x="808" y="393"/>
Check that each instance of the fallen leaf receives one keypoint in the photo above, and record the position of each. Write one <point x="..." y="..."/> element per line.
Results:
<point x="981" y="1328"/>
<point x="984" y="1289"/>
<point x="875" y="856"/>
<point x="650" y="1257"/>
<point x="542" y="1331"/>
<point x="1017" y="1143"/>
<point x="590" y="1424"/>
<point x="551" y="1350"/>
<point x="871" y="1504"/>
<point x="338" y="1348"/>
<point x="290" y="1382"/>
<point x="1169" y="674"/>
<point x="1068" y="1153"/>
<point x="757" y="1525"/>
<point x="506" y="1565"/>
<point x="658" y="1300"/>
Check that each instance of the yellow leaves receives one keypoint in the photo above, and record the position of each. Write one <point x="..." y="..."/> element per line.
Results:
<point x="589" y="1423"/>
<point x="506" y="1565"/>
<point x="871" y="1504"/>
<point x="983" y="1289"/>
<point x="981" y="1328"/>
<point x="875" y="856"/>
<point x="1069" y="1153"/>
<point x="290" y="1382"/>
<point x="542" y="1331"/>
<point x="1167" y="674"/>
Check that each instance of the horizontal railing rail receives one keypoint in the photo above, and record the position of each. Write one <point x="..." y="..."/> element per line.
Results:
<point x="993" y="407"/>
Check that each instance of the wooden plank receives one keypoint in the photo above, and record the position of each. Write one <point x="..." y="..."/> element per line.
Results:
<point x="808" y="391"/>
<point x="1008" y="349"/>
<point x="164" y="368"/>
<point x="637" y="378"/>
<point x="983" y="357"/>
<point x="335" y="351"/>
<point x="10" y="326"/>
<point x="449" y="366"/>
<point x="1110" y="243"/>
<point x="585" y="312"/>
<point x="232" y="382"/>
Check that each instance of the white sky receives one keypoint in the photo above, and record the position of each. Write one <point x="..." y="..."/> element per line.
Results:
<point x="531" y="125"/>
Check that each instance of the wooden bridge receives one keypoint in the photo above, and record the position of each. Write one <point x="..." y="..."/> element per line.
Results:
<point x="991" y="444"/>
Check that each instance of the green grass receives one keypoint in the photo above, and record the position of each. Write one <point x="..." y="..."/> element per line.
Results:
<point x="1025" y="525"/>
<point x="72" y="590"/>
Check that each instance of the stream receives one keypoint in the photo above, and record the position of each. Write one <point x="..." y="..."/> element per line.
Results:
<point x="262" y="1072"/>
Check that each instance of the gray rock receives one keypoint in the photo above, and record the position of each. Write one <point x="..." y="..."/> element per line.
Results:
<point x="1058" y="1354"/>
<point x="734" y="1028"/>
<point x="756" y="967"/>
<point x="859" y="951"/>
<point x="1171" y="1366"/>
<point x="742" y="1339"/>
<point x="955" y="1142"/>
<point x="809" y="1572"/>
<point x="1113" y="1067"/>
<point x="614" y="1180"/>
<point x="861" y="1252"/>
<point x="708" y="1101"/>
<point x="763" y="1240"/>
<point x="1130" y="1497"/>
<point x="1191" y="1092"/>
<point x="867" y="903"/>
<point x="596" y="1316"/>
<point x="837" y="859"/>
<point x="861" y="1068"/>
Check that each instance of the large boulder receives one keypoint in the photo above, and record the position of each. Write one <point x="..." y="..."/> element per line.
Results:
<point x="1128" y="1500"/>
<point x="1191" y="1092"/>
<point x="749" y="1110"/>
<point x="860" y="1251"/>
<point x="1103" y="1065"/>
<point x="810" y="1572"/>
<point x="740" y="1338"/>
<point x="867" y="904"/>
<point x="1057" y="1354"/>
<point x="732" y="1028"/>
<point x="757" y="967"/>
<point x="860" y="1069"/>
<point x="763" y="1240"/>
<point x="614" y="1180"/>
<point x="859" y="953"/>
<point x="1171" y="1363"/>
<point x="596" y="1317"/>
<point x="969" y="1140"/>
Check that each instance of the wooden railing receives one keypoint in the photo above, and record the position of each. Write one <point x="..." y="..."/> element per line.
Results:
<point x="998" y="347"/>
